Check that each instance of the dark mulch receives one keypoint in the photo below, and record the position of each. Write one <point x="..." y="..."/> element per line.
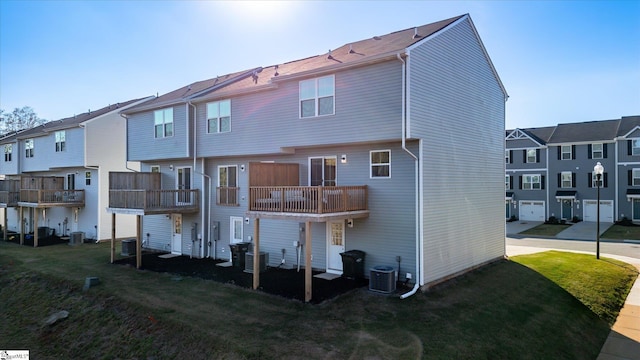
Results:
<point x="288" y="283"/>
<point x="42" y="241"/>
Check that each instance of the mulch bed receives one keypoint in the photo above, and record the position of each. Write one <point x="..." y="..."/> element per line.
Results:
<point x="288" y="283"/>
<point x="42" y="241"/>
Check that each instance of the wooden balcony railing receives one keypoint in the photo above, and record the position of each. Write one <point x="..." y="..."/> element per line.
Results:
<point x="9" y="198"/>
<point x="155" y="201"/>
<point x="308" y="199"/>
<point x="227" y="196"/>
<point x="67" y="198"/>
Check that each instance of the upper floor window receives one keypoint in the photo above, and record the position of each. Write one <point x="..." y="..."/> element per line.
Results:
<point x="566" y="179"/>
<point x="507" y="182"/>
<point x="634" y="147"/>
<point x="380" y="162"/>
<point x="567" y="152"/>
<point x="507" y="156"/>
<point x="531" y="182"/>
<point x="163" y="123"/>
<point x="635" y="179"/>
<point x="603" y="180"/>
<point x="219" y="116"/>
<point x="317" y="97"/>
<point x="60" y="140"/>
<point x="28" y="148"/>
<point x="597" y="151"/>
<point x="227" y="192"/>
<point x="532" y="156"/>
<point x="8" y="150"/>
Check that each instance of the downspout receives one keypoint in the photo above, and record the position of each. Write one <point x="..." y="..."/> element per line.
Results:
<point x="126" y="143"/>
<point x="195" y="170"/>
<point x="97" y="168"/>
<point x="415" y="158"/>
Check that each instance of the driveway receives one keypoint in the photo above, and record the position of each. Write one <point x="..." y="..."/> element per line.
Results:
<point x="514" y="227"/>
<point x="584" y="230"/>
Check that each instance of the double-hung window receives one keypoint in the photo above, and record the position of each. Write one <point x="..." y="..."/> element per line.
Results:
<point x="219" y="117"/>
<point x="567" y="152"/>
<point x="635" y="179"/>
<point x="60" y="140"/>
<point x="532" y="156"/>
<point x="597" y="151"/>
<point x="163" y="123"/>
<point x="317" y="96"/>
<point x="566" y="179"/>
<point x="380" y="163"/>
<point x="8" y="150"/>
<point x="531" y="182"/>
<point x="507" y="182"/>
<point x="28" y="148"/>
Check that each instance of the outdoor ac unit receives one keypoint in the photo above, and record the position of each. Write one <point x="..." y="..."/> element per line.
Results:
<point x="128" y="247"/>
<point x="248" y="261"/>
<point x="382" y="279"/>
<point x="76" y="238"/>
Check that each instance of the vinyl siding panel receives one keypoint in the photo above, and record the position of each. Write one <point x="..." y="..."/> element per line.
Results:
<point x="10" y="167"/>
<point x="45" y="155"/>
<point x="367" y="108"/>
<point x="454" y="96"/>
<point x="143" y="146"/>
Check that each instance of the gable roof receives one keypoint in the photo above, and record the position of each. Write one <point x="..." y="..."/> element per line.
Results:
<point x="585" y="131"/>
<point x="538" y="135"/>
<point x="628" y="124"/>
<point x="369" y="50"/>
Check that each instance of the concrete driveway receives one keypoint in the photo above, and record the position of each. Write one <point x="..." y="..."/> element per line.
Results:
<point x="514" y="227"/>
<point x="584" y="230"/>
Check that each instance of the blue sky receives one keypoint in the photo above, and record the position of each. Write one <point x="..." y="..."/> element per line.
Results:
<point x="559" y="61"/>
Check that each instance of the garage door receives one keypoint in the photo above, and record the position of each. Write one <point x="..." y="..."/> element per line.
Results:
<point x="591" y="210"/>
<point x="532" y="210"/>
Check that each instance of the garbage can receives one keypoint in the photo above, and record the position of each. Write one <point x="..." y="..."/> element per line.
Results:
<point x="238" y="251"/>
<point x="353" y="264"/>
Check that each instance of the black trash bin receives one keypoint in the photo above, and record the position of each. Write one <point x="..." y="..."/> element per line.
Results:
<point x="353" y="264"/>
<point x="238" y="250"/>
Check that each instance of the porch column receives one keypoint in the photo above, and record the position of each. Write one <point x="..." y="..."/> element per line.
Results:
<point x="256" y="253"/>
<point x="113" y="237"/>
<point x="307" y="262"/>
<point x="21" y="221"/>
<point x="138" y="242"/>
<point x="35" y="227"/>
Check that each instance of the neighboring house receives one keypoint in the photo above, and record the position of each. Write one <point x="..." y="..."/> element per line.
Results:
<point x="549" y="171"/>
<point x="360" y="148"/>
<point x="56" y="175"/>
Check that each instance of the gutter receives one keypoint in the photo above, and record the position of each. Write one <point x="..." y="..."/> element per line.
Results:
<point x="417" y="166"/>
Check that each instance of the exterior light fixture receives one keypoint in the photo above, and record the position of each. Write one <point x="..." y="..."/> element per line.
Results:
<point x="598" y="170"/>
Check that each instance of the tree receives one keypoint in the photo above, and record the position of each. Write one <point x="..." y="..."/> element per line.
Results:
<point x="19" y="119"/>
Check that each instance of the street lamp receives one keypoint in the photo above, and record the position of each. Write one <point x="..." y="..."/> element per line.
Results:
<point x="598" y="170"/>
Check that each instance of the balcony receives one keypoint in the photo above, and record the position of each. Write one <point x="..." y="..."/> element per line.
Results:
<point x="51" y="198"/>
<point x="314" y="202"/>
<point x="9" y="193"/>
<point x="148" y="202"/>
<point x="227" y="196"/>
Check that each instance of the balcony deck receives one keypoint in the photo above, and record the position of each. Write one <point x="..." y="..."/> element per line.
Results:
<point x="308" y="203"/>
<point x="9" y="198"/>
<point x="150" y="202"/>
<point x="51" y="198"/>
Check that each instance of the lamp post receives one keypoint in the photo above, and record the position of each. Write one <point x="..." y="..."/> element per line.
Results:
<point x="598" y="170"/>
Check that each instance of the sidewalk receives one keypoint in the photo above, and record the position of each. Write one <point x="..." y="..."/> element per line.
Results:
<point x="624" y="339"/>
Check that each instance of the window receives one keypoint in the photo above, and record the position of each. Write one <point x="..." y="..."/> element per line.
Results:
<point x="597" y="151"/>
<point x="317" y="97"/>
<point x="60" y="141"/>
<point x="8" y="150"/>
<point x="635" y="147"/>
<point x="87" y="178"/>
<point x="227" y="185"/>
<point x="531" y="182"/>
<point x="507" y="182"/>
<point x="507" y="156"/>
<point x="380" y="163"/>
<point x="603" y="180"/>
<point x="28" y="148"/>
<point x="219" y="117"/>
<point x="155" y="168"/>
<point x="635" y="178"/>
<point x="567" y="152"/>
<point x="566" y="179"/>
<point x="163" y="123"/>
<point x="532" y="156"/>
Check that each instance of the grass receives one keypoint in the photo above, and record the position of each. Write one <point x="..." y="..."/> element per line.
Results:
<point x="503" y="310"/>
<point x="545" y="229"/>
<point x="622" y="232"/>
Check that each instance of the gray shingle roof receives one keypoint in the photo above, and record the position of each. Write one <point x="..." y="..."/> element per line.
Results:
<point x="628" y="123"/>
<point x="585" y="131"/>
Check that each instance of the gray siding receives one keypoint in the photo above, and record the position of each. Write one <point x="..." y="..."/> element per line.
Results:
<point x="10" y="167"/>
<point x="453" y="94"/>
<point x="143" y="146"/>
<point x="45" y="155"/>
<point x="367" y="108"/>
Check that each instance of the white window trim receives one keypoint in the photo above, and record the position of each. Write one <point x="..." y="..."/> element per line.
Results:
<point x="29" y="144"/>
<point x="507" y="156"/>
<point x="218" y="128"/>
<point x="227" y="166"/>
<point x="507" y="182"/>
<point x="635" y="150"/>
<point x="154" y="167"/>
<point x="601" y="151"/>
<point x="535" y="156"/>
<point x="635" y="174"/>
<point x="60" y="137"/>
<point x="316" y="97"/>
<point x="524" y="176"/>
<point x="562" y="180"/>
<point x="164" y="124"/>
<point x="563" y="153"/>
<point x="8" y="152"/>
<point x="371" y="165"/>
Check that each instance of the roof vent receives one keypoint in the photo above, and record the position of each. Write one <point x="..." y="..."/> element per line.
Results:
<point x="415" y="33"/>
<point x="377" y="38"/>
<point x="254" y="75"/>
<point x="276" y="73"/>
<point x="351" y="51"/>
<point x="89" y="112"/>
<point x="329" y="56"/>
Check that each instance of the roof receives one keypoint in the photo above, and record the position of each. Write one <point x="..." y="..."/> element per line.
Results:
<point x="354" y="53"/>
<point x="628" y="124"/>
<point x="585" y="131"/>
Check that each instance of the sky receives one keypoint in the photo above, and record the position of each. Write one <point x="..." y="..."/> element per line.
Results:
<point x="560" y="61"/>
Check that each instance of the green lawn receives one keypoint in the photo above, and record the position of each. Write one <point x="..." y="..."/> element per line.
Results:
<point x="503" y="310"/>
<point x="622" y="232"/>
<point x="545" y="229"/>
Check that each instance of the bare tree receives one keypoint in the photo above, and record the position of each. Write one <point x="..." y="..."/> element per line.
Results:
<point x="19" y="119"/>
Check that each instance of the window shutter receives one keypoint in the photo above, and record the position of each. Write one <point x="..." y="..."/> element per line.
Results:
<point x="589" y="180"/>
<point x="589" y="149"/>
<point x="524" y="156"/>
<point x="510" y="182"/>
<point x="559" y="179"/>
<point x="520" y="182"/>
<point x="573" y="152"/>
<point x="537" y="155"/>
<point x="573" y="179"/>
<point x="559" y="152"/>
<point x="510" y="156"/>
<point x="605" y="181"/>
<point x="629" y="150"/>
<point x="542" y="182"/>
<point x="630" y="177"/>
<point x="604" y="150"/>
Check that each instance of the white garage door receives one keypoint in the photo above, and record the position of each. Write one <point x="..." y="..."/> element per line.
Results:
<point x="532" y="210"/>
<point x="591" y="210"/>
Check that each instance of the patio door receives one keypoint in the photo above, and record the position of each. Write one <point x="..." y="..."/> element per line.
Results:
<point x="322" y="171"/>
<point x="183" y="182"/>
<point x="335" y="246"/>
<point x="176" y="239"/>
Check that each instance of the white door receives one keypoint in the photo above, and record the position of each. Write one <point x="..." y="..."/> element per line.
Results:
<point x="531" y="210"/>
<point x="176" y="240"/>
<point x="335" y="243"/>
<point x="591" y="210"/>
<point x="183" y="182"/>
<point x="236" y="231"/>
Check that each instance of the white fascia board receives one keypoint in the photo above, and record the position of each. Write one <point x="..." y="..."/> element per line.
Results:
<point x="583" y="142"/>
